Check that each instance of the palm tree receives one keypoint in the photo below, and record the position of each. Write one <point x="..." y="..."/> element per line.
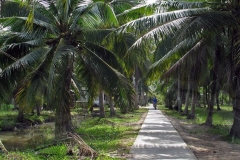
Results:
<point x="52" y="38"/>
<point x="191" y="27"/>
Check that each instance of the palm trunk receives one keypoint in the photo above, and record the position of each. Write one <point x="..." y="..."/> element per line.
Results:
<point x="63" y="123"/>
<point x="203" y="98"/>
<point x="38" y="108"/>
<point x="112" y="111"/>
<point x="179" y="103"/>
<point x="101" y="105"/>
<point x="235" y="130"/>
<point x="146" y="99"/>
<point x="185" y="112"/>
<point x="213" y="88"/>
<point x="198" y="99"/>
<point x="169" y="101"/>
<point x="136" y="76"/>
<point x="206" y="95"/>
<point x="217" y="99"/>
<point x="20" y="117"/>
<point x="192" y="113"/>
<point x="142" y="98"/>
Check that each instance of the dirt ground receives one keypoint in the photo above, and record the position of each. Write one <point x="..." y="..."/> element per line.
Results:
<point x="204" y="145"/>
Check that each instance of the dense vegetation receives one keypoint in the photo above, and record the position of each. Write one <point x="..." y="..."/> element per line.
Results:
<point x="54" y="53"/>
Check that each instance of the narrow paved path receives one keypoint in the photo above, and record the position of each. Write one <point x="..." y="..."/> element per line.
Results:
<point x="157" y="139"/>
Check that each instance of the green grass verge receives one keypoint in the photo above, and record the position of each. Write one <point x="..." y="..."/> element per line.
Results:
<point x="103" y="135"/>
<point x="222" y="120"/>
<point x="107" y="134"/>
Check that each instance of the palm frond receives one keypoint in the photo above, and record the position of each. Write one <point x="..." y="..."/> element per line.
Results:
<point x="142" y="25"/>
<point x="25" y="62"/>
<point x="159" y="32"/>
<point x="58" y="62"/>
<point x="13" y="8"/>
<point x="186" y="58"/>
<point x="110" y="79"/>
<point x="99" y="15"/>
<point x="135" y="13"/>
<point x="208" y="22"/>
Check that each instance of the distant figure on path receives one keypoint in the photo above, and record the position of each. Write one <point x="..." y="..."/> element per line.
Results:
<point x="155" y="102"/>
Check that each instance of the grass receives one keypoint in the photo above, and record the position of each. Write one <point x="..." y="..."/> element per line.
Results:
<point x="222" y="120"/>
<point x="103" y="135"/>
<point x="107" y="134"/>
<point x="8" y="117"/>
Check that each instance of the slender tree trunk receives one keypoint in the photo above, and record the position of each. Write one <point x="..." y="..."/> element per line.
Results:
<point x="213" y="88"/>
<point x="206" y="95"/>
<point x="136" y="76"/>
<point x="146" y="98"/>
<point x="179" y="103"/>
<point x="185" y="112"/>
<point x="169" y="101"/>
<point x="142" y="98"/>
<point x="192" y="113"/>
<point x="229" y="100"/>
<point x="38" y="108"/>
<point x="204" y="99"/>
<point x="112" y="111"/>
<point x="210" y="111"/>
<point x="217" y="100"/>
<point x="198" y="99"/>
<point x="101" y="105"/>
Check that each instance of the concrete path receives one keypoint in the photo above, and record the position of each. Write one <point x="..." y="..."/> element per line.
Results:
<point x="157" y="139"/>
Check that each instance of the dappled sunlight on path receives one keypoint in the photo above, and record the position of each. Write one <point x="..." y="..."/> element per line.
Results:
<point x="157" y="139"/>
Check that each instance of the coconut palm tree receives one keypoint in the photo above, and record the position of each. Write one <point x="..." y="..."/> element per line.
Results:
<point x="52" y="46"/>
<point x="191" y="28"/>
